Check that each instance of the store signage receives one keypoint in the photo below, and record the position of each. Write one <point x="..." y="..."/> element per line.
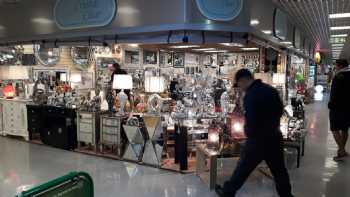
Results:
<point x="79" y="14"/>
<point x="280" y="24"/>
<point x="220" y="10"/>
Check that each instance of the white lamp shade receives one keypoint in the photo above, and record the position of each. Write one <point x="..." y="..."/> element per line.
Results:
<point x="154" y="84"/>
<point x="122" y="82"/>
<point x="63" y="76"/>
<point x="75" y="78"/>
<point x="279" y="78"/>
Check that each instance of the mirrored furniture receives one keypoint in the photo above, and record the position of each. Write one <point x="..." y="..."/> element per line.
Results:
<point x="88" y="128"/>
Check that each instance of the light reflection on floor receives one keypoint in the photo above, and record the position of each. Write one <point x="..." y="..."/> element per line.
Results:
<point x="23" y="165"/>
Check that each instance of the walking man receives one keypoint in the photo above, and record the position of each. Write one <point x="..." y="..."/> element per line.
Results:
<point x="263" y="110"/>
<point x="339" y="107"/>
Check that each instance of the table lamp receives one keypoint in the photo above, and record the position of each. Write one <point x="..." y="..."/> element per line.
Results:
<point x="9" y="91"/>
<point x="122" y="82"/>
<point x="154" y="84"/>
<point x="279" y="78"/>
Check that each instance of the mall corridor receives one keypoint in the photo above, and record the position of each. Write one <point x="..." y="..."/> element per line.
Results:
<point x="23" y="164"/>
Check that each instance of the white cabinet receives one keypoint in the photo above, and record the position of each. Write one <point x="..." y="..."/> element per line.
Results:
<point x="14" y="117"/>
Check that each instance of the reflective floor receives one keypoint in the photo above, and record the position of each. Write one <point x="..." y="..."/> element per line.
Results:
<point x="23" y="165"/>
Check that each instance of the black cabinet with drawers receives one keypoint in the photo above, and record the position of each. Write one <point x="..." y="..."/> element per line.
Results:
<point x="56" y="125"/>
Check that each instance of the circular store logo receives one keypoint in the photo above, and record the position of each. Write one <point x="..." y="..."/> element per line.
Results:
<point x="220" y="10"/>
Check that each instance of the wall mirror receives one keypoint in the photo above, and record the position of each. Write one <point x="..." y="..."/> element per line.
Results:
<point x="80" y="56"/>
<point x="47" y="56"/>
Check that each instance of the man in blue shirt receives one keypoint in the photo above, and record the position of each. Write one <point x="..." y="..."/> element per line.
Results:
<point x="263" y="110"/>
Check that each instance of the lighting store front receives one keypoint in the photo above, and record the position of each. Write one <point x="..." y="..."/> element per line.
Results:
<point x="170" y="104"/>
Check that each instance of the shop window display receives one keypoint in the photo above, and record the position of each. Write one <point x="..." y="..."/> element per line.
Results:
<point x="185" y="89"/>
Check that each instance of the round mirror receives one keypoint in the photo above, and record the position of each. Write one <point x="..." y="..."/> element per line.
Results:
<point x="47" y="56"/>
<point x="80" y="57"/>
<point x="10" y="55"/>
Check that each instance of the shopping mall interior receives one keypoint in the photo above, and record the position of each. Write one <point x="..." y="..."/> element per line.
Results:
<point x="129" y="98"/>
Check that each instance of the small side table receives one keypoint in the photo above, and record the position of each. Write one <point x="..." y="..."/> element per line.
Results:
<point x="202" y="154"/>
<point x="110" y="133"/>
<point x="88" y="128"/>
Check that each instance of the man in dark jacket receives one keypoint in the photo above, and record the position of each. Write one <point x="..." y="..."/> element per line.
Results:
<point x="263" y="110"/>
<point x="339" y="106"/>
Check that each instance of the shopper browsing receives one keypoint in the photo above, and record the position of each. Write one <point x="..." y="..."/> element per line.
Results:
<point x="339" y="106"/>
<point x="263" y="110"/>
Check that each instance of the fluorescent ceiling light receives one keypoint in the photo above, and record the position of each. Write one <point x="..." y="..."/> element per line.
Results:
<point x="337" y="45"/>
<point x="133" y="45"/>
<point x="268" y="32"/>
<point x="340" y="28"/>
<point x="287" y="42"/>
<point x="216" y="51"/>
<point x="254" y="22"/>
<point x="205" y="49"/>
<point x="339" y="35"/>
<point x="232" y="44"/>
<point x="128" y="10"/>
<point x="250" y="49"/>
<point x="340" y="15"/>
<point x="41" y="20"/>
<point x="184" y="46"/>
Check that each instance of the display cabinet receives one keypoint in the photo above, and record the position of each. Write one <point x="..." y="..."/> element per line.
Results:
<point x="59" y="127"/>
<point x="35" y="120"/>
<point x="14" y="117"/>
<point x="88" y="128"/>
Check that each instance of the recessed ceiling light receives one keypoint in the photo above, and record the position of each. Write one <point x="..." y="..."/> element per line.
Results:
<point x="184" y="46"/>
<point x="287" y="42"/>
<point x="339" y="35"/>
<point x="268" y="32"/>
<point x="254" y="22"/>
<point x="250" y="49"/>
<point x="340" y="28"/>
<point x="232" y="44"/>
<point x="340" y="15"/>
<point x="204" y="49"/>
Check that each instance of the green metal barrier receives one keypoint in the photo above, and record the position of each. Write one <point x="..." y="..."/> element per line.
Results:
<point x="74" y="184"/>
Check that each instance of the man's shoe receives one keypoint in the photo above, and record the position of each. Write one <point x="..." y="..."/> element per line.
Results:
<point x="340" y="157"/>
<point x="219" y="191"/>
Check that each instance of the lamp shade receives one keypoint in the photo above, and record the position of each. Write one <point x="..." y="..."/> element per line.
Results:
<point x="154" y="84"/>
<point x="279" y="78"/>
<point x="122" y="82"/>
<point x="75" y="78"/>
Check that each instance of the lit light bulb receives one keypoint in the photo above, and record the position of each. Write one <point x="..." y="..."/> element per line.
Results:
<point x="237" y="127"/>
<point x="213" y="137"/>
<point x="50" y="53"/>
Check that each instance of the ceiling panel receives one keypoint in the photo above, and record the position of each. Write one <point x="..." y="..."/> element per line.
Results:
<point x="313" y="16"/>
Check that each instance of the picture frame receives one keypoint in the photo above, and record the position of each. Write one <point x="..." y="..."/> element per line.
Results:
<point x="179" y="60"/>
<point x="132" y="57"/>
<point x="150" y="57"/>
<point x="165" y="59"/>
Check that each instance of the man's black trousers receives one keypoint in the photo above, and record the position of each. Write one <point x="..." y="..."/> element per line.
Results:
<point x="253" y="153"/>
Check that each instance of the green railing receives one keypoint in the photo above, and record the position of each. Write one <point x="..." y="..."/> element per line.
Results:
<point x="74" y="184"/>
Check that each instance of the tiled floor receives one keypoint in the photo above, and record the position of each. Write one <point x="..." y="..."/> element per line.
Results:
<point x="23" y="164"/>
